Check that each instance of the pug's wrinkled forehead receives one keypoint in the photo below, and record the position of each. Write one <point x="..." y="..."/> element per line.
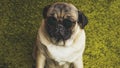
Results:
<point x="63" y="11"/>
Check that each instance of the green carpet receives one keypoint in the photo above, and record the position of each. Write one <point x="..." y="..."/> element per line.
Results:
<point x="20" y="20"/>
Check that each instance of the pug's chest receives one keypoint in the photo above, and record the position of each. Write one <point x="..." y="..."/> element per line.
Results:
<point x="63" y="54"/>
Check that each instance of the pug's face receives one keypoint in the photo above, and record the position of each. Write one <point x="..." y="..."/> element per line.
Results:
<point x="60" y="19"/>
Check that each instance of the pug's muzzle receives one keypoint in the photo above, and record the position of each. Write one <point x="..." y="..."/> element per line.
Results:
<point x="58" y="32"/>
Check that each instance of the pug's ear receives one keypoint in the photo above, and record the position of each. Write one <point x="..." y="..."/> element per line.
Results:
<point x="82" y="20"/>
<point x="45" y="10"/>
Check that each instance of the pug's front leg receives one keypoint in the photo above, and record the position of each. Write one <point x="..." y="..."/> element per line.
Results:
<point x="78" y="63"/>
<point x="66" y="66"/>
<point x="40" y="61"/>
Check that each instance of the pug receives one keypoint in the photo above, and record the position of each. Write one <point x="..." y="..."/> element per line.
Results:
<point x="61" y="37"/>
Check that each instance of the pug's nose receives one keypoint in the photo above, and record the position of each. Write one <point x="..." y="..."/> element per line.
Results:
<point x="59" y="28"/>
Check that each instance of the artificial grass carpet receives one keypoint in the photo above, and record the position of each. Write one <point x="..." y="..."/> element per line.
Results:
<point x="20" y="20"/>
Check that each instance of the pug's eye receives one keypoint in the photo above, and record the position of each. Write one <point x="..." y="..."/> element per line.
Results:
<point x="51" y="21"/>
<point x="67" y="23"/>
